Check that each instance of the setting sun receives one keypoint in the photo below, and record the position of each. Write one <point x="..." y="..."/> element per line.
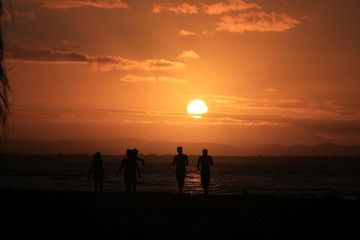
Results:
<point x="197" y="107"/>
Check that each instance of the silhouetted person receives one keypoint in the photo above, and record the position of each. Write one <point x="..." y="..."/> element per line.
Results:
<point x="181" y="161"/>
<point x="130" y="168"/>
<point x="203" y="165"/>
<point x="97" y="170"/>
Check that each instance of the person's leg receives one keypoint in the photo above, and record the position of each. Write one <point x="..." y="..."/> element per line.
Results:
<point x="128" y="187"/>
<point x="180" y="181"/>
<point x="207" y="185"/>
<point x="101" y="181"/>
<point x="127" y="182"/>
<point x="206" y="188"/>
<point x="205" y="181"/>
<point x="203" y="184"/>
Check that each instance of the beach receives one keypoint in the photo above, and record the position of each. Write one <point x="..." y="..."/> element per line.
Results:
<point x="173" y="216"/>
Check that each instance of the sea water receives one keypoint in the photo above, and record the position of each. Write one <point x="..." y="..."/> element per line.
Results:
<point x="280" y="176"/>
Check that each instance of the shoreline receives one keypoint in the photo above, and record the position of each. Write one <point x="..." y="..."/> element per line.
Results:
<point x="164" y="215"/>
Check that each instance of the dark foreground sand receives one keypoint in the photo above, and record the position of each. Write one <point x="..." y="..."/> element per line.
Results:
<point x="169" y="216"/>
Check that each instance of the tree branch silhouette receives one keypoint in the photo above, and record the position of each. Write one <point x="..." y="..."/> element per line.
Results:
<point x="4" y="86"/>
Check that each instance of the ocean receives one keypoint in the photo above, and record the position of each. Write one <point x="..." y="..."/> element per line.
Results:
<point x="279" y="176"/>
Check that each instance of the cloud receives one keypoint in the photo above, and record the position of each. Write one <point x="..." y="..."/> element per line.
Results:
<point x="171" y="80"/>
<point x="184" y="33"/>
<point x="110" y="63"/>
<point x="65" y="4"/>
<point x="256" y="21"/>
<point x="183" y="8"/>
<point x="216" y="8"/>
<point x="5" y="16"/>
<point x="232" y="5"/>
<point x="101" y="63"/>
<point x="44" y="55"/>
<point x="190" y="54"/>
<point x="130" y="78"/>
<point x="271" y="90"/>
<point x="259" y="21"/>
<point x="70" y="45"/>
<point x="134" y="78"/>
<point x="293" y="107"/>
<point x="283" y="128"/>
<point x="17" y="16"/>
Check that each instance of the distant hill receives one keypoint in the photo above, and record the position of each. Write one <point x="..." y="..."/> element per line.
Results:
<point x="306" y="150"/>
<point x="190" y="148"/>
<point x="114" y="147"/>
<point x="119" y="146"/>
<point x="107" y="146"/>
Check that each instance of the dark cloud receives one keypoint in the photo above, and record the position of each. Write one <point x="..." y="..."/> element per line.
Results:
<point x="256" y="21"/>
<point x="102" y="63"/>
<point x="65" y="4"/>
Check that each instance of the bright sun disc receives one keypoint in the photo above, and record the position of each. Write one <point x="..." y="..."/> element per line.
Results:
<point x="197" y="107"/>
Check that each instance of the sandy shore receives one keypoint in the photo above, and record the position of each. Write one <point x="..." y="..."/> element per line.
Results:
<point x="170" y="216"/>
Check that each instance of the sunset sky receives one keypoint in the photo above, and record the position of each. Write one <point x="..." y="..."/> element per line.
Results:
<point x="270" y="71"/>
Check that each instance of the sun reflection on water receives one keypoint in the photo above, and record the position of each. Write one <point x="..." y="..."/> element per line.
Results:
<point x="193" y="182"/>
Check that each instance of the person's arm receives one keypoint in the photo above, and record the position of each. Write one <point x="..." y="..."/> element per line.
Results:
<point x="198" y="164"/>
<point x="121" y="166"/>
<point x="211" y="162"/>
<point x="186" y="161"/>
<point x="174" y="162"/>
<point x="141" y="160"/>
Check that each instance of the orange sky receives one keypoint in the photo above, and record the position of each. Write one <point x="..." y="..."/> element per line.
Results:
<point x="270" y="71"/>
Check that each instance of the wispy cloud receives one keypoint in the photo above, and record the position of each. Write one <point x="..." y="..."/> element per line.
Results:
<point x="189" y="54"/>
<point x="299" y="129"/>
<point x="134" y="78"/>
<point x="130" y="78"/>
<point x="65" y="4"/>
<point x="248" y="17"/>
<point x="216" y="8"/>
<point x="256" y="21"/>
<point x="17" y="16"/>
<point x="172" y="80"/>
<point x="271" y="90"/>
<point x="101" y="63"/>
<point x="70" y="45"/>
<point x="44" y="55"/>
<point x="231" y="5"/>
<point x="184" y="33"/>
<point x="109" y="63"/>
<point x="296" y="107"/>
<point x="184" y="8"/>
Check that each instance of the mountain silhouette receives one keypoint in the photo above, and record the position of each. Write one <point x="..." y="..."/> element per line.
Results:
<point x="119" y="146"/>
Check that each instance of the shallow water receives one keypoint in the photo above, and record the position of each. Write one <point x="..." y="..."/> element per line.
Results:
<point x="282" y="176"/>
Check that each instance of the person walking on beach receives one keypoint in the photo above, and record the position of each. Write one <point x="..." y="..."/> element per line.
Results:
<point x="203" y="165"/>
<point x="97" y="170"/>
<point x="130" y="169"/>
<point x="181" y="161"/>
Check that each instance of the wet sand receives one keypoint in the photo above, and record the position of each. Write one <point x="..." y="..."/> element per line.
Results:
<point x="171" y="216"/>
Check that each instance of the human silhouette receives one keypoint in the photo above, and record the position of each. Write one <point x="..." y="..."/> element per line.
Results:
<point x="181" y="161"/>
<point x="129" y="163"/>
<point x="97" y="170"/>
<point x="203" y="165"/>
